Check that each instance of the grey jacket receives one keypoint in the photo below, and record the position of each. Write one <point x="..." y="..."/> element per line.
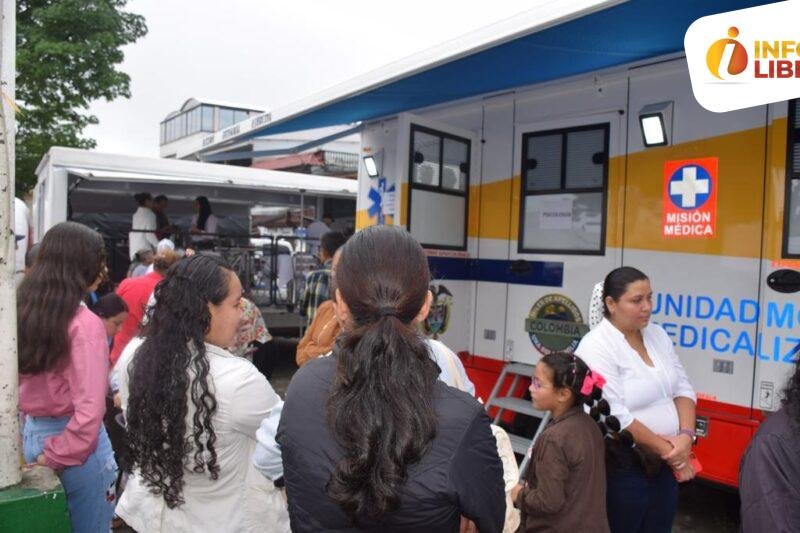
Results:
<point x="769" y="478"/>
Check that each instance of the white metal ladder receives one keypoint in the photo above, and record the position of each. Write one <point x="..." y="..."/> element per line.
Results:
<point x="521" y="445"/>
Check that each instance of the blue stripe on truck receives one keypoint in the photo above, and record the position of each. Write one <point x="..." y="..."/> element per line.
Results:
<point x="544" y="273"/>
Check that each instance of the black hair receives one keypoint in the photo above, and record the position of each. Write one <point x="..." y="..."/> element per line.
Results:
<point x="160" y="198"/>
<point x="144" y="252"/>
<point x="169" y="370"/>
<point x="380" y="408"/>
<point x="570" y="372"/>
<point x="71" y="257"/>
<point x="142" y="198"/>
<point x="30" y="255"/>
<point x="205" y="211"/>
<point x="332" y="241"/>
<point x="109" y="305"/>
<point x="616" y="283"/>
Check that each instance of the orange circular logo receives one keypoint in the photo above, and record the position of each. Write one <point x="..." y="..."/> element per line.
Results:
<point x="717" y="51"/>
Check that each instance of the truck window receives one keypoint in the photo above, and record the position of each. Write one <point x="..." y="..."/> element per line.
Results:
<point x="791" y="217"/>
<point x="439" y="166"/>
<point x="563" y="190"/>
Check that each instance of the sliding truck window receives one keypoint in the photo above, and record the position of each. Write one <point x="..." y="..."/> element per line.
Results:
<point x="564" y="186"/>
<point x="438" y="193"/>
<point x="791" y="217"/>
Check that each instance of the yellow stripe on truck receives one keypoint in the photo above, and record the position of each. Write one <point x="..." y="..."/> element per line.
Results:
<point x="739" y="196"/>
<point x="494" y="207"/>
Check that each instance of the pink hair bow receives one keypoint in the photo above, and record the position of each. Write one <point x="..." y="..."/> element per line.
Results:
<point x="591" y="380"/>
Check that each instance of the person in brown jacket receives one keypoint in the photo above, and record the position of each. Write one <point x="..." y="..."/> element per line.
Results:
<point x="323" y="330"/>
<point x="564" y="488"/>
<point x="320" y="335"/>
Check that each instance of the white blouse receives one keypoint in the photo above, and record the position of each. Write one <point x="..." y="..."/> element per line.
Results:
<point x="212" y="223"/>
<point x="143" y="219"/>
<point x="241" y="499"/>
<point x="634" y="389"/>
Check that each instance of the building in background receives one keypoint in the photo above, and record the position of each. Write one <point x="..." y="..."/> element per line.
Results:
<point x="300" y="151"/>
<point x="197" y="118"/>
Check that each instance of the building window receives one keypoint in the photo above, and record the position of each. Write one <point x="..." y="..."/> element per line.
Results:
<point x="193" y="120"/>
<point x="438" y="195"/>
<point x="163" y="133"/>
<point x="226" y="118"/>
<point x="791" y="216"/>
<point x="563" y="191"/>
<point x="208" y="118"/>
<point x="200" y="118"/>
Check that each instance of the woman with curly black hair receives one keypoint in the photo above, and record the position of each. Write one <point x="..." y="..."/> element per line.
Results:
<point x="370" y="437"/>
<point x="769" y="478"/>
<point x="192" y="410"/>
<point x="63" y="364"/>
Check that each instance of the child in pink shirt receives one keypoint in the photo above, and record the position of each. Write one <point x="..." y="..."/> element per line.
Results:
<point x="63" y="362"/>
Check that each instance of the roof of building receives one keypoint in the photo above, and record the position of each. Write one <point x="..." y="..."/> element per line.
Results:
<point x="194" y="102"/>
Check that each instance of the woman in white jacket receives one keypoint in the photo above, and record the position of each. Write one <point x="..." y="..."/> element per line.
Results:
<point x="192" y="410"/>
<point x="650" y="395"/>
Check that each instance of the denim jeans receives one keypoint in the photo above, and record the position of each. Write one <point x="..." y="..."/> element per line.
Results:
<point x="640" y="504"/>
<point x="90" y="486"/>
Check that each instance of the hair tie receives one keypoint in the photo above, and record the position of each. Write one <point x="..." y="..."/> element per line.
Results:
<point x="591" y="381"/>
<point x="387" y="311"/>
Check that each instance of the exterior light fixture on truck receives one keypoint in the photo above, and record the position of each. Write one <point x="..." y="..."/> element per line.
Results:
<point x="655" y="121"/>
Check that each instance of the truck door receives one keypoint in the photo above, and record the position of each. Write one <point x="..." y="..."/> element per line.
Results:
<point x="566" y="204"/>
<point x="779" y="324"/>
<point x="438" y="162"/>
<point x="694" y="224"/>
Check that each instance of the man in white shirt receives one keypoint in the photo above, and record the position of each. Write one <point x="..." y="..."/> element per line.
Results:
<point x="143" y="225"/>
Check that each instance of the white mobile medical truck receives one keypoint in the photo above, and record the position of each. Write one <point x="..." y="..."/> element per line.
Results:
<point x="534" y="156"/>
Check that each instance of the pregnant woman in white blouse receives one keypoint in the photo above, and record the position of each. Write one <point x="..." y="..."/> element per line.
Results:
<point x="651" y="396"/>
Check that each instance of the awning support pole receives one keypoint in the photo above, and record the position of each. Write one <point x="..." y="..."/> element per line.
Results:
<point x="10" y="473"/>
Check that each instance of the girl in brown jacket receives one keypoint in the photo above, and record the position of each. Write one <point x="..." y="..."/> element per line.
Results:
<point x="564" y="488"/>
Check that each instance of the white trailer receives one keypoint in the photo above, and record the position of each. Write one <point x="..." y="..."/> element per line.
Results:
<point x="73" y="182"/>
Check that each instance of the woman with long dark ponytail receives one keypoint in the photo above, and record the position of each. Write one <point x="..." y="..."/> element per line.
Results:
<point x="370" y="438"/>
<point x="192" y="410"/>
<point x="63" y="365"/>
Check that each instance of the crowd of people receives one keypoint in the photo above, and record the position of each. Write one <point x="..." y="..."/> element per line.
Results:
<point x="146" y="405"/>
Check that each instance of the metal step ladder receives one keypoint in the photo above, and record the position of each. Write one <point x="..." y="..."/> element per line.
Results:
<point x="521" y="445"/>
